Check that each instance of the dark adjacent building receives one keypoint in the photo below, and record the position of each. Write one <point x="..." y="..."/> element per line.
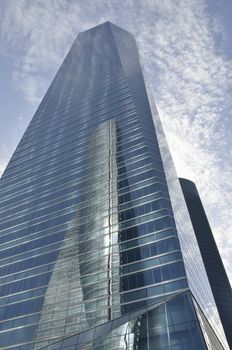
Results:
<point x="217" y="276"/>
<point x="97" y="247"/>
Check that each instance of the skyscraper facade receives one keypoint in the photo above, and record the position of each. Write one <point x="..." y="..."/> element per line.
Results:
<point x="217" y="276"/>
<point x="97" y="246"/>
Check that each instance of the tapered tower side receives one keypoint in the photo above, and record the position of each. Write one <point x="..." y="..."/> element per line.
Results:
<point x="216" y="273"/>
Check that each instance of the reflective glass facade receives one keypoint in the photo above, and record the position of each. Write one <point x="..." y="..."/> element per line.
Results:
<point x="172" y="323"/>
<point x="89" y="225"/>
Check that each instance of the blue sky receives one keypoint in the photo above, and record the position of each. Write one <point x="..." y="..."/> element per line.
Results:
<point x="186" y="50"/>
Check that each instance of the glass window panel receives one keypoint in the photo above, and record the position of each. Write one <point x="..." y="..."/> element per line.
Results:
<point x="158" y="338"/>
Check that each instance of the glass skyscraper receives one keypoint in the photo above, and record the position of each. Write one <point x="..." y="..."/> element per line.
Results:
<point x="97" y="246"/>
<point x="217" y="276"/>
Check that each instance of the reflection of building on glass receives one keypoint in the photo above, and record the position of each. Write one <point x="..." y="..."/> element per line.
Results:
<point x="98" y="232"/>
<point x="89" y="251"/>
<point x="97" y="248"/>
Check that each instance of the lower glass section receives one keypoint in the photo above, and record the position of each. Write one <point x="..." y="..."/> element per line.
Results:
<point x="174" y="323"/>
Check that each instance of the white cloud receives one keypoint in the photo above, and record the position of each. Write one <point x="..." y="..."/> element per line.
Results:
<point x="189" y="75"/>
<point x="192" y="94"/>
<point x="4" y="157"/>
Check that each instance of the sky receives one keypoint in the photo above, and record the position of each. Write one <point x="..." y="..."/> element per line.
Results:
<point x="185" y="47"/>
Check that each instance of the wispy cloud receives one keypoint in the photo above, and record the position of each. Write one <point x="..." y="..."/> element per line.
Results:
<point x="192" y="92"/>
<point x="4" y="158"/>
<point x="188" y="72"/>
